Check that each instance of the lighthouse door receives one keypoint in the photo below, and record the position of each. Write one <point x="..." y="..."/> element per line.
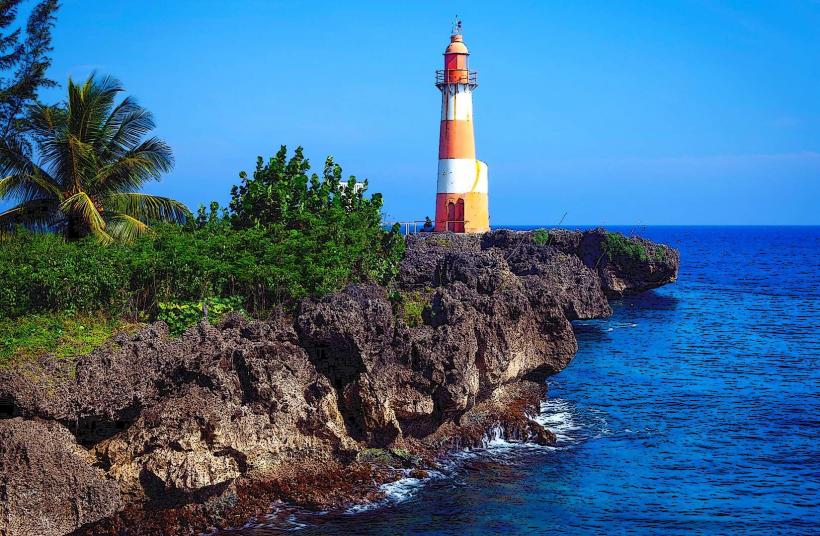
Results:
<point x="451" y="216"/>
<point x="459" y="224"/>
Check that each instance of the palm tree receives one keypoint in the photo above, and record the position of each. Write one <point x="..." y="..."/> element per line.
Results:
<point x="92" y="160"/>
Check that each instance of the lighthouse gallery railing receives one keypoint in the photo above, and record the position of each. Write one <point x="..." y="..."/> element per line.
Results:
<point x="446" y="77"/>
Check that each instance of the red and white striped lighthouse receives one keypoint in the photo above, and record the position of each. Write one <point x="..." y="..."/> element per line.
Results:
<point x="461" y="199"/>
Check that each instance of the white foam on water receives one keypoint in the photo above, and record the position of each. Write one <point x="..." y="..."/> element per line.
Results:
<point x="402" y="489"/>
<point x="494" y="438"/>
<point x="281" y="517"/>
<point x="558" y="416"/>
<point x="397" y="491"/>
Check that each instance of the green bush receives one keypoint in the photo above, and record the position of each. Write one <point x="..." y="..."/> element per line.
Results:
<point x="617" y="245"/>
<point x="412" y="305"/>
<point x="541" y="236"/>
<point x="181" y="316"/>
<point x="329" y="220"/>
<point x="43" y="272"/>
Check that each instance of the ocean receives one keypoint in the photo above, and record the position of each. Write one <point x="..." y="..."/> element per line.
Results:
<point x="694" y="409"/>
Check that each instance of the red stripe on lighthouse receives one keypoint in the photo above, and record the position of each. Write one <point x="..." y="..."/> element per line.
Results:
<point x="456" y="140"/>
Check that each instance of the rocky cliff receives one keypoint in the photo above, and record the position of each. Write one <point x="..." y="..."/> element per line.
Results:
<point x="158" y="435"/>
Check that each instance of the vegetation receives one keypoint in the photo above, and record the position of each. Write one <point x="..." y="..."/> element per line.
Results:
<point x="322" y="235"/>
<point x="327" y="222"/>
<point x="91" y="159"/>
<point x="43" y="273"/>
<point x="541" y="236"/>
<point x="411" y="305"/>
<point x="62" y="334"/>
<point x="23" y="63"/>
<point x="83" y="248"/>
<point x="617" y="245"/>
<point x="180" y="316"/>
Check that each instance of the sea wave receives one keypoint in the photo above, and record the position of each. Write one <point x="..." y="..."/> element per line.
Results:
<point x="558" y="415"/>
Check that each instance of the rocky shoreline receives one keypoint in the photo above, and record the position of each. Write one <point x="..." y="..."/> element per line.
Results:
<point x="154" y="435"/>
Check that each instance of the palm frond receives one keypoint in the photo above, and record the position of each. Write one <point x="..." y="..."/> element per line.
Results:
<point x="28" y="188"/>
<point x="124" y="129"/>
<point x="89" y="105"/>
<point x="45" y="120"/>
<point x="39" y="214"/>
<point x="24" y="180"/>
<point x="135" y="167"/>
<point x="126" y="228"/>
<point x="82" y="207"/>
<point x="81" y="163"/>
<point x="147" y="207"/>
<point x="103" y="237"/>
<point x="14" y="159"/>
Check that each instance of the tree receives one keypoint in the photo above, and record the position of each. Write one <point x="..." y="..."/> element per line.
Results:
<point x="24" y="61"/>
<point x="280" y="193"/>
<point x="333" y="229"/>
<point x="92" y="159"/>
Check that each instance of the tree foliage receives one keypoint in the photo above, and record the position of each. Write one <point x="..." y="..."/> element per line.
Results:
<point x="329" y="220"/>
<point x="93" y="156"/>
<point x="24" y="61"/>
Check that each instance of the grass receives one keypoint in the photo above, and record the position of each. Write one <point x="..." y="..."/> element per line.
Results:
<point x="64" y="335"/>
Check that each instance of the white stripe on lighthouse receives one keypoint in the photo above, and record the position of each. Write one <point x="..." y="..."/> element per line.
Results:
<point x="456" y="103"/>
<point x="462" y="175"/>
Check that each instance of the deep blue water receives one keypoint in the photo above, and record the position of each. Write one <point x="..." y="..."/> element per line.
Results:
<point x="695" y="409"/>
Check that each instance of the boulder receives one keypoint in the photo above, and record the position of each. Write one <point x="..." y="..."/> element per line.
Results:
<point x="49" y="485"/>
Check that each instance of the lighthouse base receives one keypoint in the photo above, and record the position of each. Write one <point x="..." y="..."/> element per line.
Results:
<point x="462" y="213"/>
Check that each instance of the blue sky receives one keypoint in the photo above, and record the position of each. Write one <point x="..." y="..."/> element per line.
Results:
<point x="691" y="112"/>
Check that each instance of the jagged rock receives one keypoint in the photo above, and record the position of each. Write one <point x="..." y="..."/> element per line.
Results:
<point x="48" y="483"/>
<point x="619" y="275"/>
<point x="622" y="275"/>
<point x="424" y="251"/>
<point x="370" y="413"/>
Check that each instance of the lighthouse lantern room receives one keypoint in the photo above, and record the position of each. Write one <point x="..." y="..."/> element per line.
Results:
<point x="461" y="198"/>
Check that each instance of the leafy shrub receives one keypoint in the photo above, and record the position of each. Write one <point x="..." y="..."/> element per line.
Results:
<point x="412" y="306"/>
<point x="181" y="316"/>
<point x="617" y="245"/>
<point x="541" y="236"/>
<point x="43" y="272"/>
<point x="330" y="220"/>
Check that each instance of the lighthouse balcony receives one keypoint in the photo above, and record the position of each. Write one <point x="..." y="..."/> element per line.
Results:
<point x="446" y="77"/>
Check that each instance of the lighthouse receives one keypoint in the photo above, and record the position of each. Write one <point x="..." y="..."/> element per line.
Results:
<point x="461" y="197"/>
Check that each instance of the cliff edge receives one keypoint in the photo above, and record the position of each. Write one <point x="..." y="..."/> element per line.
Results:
<point x="155" y="435"/>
